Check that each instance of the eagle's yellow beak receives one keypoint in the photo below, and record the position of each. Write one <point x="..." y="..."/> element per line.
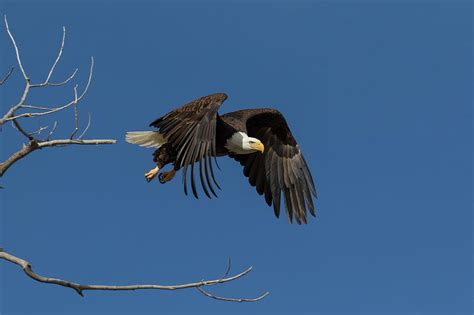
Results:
<point x="259" y="147"/>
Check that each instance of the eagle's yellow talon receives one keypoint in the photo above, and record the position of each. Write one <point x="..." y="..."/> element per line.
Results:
<point x="151" y="174"/>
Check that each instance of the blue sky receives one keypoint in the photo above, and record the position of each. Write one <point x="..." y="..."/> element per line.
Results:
<point x="379" y="96"/>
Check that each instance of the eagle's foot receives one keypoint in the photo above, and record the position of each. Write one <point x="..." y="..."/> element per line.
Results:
<point x="151" y="174"/>
<point x="166" y="176"/>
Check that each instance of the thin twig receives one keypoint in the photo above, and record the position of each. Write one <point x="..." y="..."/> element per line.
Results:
<point x="85" y="129"/>
<point x="38" y="131"/>
<point x="17" y="52"/>
<point x="76" y="122"/>
<point x="11" y="111"/>
<point x="76" y="118"/>
<point x="229" y="266"/>
<point x="36" y="107"/>
<point x="226" y="299"/>
<point x="57" y="58"/>
<point x="52" y="131"/>
<point x="7" y="76"/>
<point x="65" y="81"/>
<point x="80" y="288"/>
<point x="56" y="84"/>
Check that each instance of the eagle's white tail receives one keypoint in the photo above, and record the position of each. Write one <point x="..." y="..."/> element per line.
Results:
<point x="148" y="139"/>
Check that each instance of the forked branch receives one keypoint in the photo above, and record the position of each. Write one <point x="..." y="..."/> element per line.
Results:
<point x="32" y="111"/>
<point x="80" y="288"/>
<point x="11" y="114"/>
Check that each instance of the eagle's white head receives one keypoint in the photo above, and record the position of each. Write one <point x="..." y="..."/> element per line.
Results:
<point x="241" y="143"/>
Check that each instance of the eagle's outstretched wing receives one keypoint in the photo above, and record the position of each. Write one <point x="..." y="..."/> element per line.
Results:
<point x="281" y="167"/>
<point x="191" y="130"/>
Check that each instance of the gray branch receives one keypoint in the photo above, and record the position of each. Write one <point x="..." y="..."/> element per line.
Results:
<point x="80" y="288"/>
<point x="35" y="145"/>
<point x="74" y="102"/>
<point x="11" y="115"/>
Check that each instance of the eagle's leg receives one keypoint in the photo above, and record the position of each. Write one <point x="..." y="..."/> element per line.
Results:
<point x="164" y="155"/>
<point x="166" y="176"/>
<point x="152" y="174"/>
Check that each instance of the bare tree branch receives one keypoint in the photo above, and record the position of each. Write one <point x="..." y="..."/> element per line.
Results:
<point x="226" y="299"/>
<point x="10" y="115"/>
<point x="80" y="288"/>
<point x="12" y="110"/>
<point x="35" y="145"/>
<point x="63" y="142"/>
<point x="47" y="82"/>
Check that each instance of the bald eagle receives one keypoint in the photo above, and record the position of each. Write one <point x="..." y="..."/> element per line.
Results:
<point x="259" y="139"/>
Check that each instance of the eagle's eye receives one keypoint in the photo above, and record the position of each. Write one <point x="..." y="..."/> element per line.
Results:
<point x="251" y="142"/>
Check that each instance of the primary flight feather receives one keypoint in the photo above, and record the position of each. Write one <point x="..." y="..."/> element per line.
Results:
<point x="260" y="139"/>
